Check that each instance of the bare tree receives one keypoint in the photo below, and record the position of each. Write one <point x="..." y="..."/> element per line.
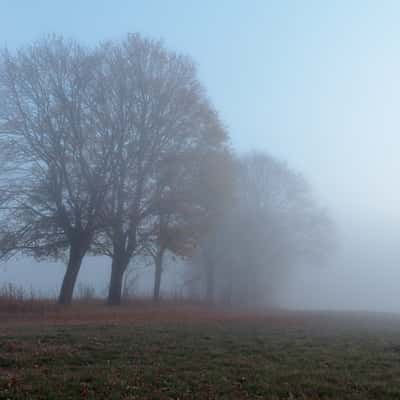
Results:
<point x="274" y="224"/>
<point x="94" y="131"/>
<point x="6" y="171"/>
<point x="46" y="114"/>
<point x="181" y="213"/>
<point x="174" y="234"/>
<point x="210" y="191"/>
<point x="153" y="104"/>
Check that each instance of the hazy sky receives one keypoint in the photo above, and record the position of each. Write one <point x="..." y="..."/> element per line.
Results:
<point x="316" y="83"/>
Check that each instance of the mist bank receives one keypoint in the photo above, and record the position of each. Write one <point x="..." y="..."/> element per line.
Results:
<point x="362" y="274"/>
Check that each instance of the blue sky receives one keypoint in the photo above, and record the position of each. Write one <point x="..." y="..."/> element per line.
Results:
<point x="314" y="82"/>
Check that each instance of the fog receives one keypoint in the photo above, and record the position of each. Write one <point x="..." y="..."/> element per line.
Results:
<point x="363" y="275"/>
<point x="313" y="84"/>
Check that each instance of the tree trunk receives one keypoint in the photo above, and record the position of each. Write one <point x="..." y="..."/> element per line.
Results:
<point x="210" y="282"/>
<point x="74" y="264"/>
<point x="118" y="268"/>
<point x="157" y="275"/>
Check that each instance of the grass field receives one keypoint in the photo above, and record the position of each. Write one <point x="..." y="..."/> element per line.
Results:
<point x="188" y="352"/>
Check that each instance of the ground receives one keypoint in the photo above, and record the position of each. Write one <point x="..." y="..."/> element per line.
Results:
<point x="181" y="351"/>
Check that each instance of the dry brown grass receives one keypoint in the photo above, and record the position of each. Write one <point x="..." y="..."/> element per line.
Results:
<point x="31" y="310"/>
<point x="16" y="307"/>
<point x="95" y="311"/>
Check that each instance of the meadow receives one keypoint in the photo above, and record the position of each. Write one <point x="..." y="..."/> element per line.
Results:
<point x="179" y="350"/>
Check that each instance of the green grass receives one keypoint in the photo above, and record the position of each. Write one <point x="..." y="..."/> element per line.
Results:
<point x="207" y="360"/>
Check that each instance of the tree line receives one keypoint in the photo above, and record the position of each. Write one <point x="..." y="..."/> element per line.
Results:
<point x="116" y="150"/>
